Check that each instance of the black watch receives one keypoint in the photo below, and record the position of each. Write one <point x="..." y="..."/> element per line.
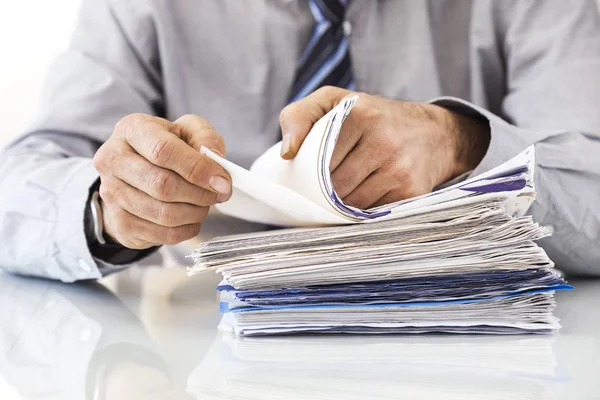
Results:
<point x="100" y="248"/>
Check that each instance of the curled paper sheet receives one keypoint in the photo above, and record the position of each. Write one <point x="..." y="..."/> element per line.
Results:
<point x="300" y="192"/>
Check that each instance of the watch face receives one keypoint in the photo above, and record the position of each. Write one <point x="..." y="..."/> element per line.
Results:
<point x="96" y="213"/>
<point x="88" y="223"/>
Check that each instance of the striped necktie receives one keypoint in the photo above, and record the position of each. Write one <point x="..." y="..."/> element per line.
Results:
<point x="326" y="59"/>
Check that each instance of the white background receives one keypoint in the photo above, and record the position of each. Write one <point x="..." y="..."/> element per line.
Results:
<point x="32" y="33"/>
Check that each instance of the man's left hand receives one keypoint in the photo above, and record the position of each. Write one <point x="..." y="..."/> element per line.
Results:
<point x="388" y="150"/>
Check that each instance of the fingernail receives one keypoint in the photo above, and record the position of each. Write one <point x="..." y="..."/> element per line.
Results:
<point x="222" y="198"/>
<point x="286" y="146"/>
<point x="220" y="184"/>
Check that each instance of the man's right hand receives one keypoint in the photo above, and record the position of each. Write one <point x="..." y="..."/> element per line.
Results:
<point x="156" y="187"/>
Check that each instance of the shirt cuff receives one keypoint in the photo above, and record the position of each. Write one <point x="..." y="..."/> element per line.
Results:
<point x="73" y="257"/>
<point x="506" y="140"/>
<point x="73" y="260"/>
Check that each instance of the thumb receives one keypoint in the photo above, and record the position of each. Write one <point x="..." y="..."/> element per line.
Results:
<point x="297" y="119"/>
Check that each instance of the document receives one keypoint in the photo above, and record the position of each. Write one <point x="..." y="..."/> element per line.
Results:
<point x="462" y="259"/>
<point x="300" y="192"/>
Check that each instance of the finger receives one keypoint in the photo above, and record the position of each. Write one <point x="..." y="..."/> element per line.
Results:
<point x="167" y="150"/>
<point x="198" y="132"/>
<point x="297" y="119"/>
<point x="352" y="132"/>
<point x="400" y="193"/>
<point x="356" y="167"/>
<point x="368" y="192"/>
<point x="136" y="233"/>
<point x="140" y="204"/>
<point x="392" y="197"/>
<point x="162" y="184"/>
<point x="401" y="178"/>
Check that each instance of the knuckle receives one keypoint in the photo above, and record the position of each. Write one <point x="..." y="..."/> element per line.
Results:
<point x="403" y="193"/>
<point x="342" y="178"/>
<point x="107" y="157"/>
<point x="135" y="119"/>
<point x="125" y="124"/>
<point x="175" y="235"/>
<point x="404" y="179"/>
<point x="130" y="243"/>
<point x="213" y="140"/>
<point x="199" y="173"/>
<point x="167" y="215"/>
<point x="328" y="90"/>
<point x="218" y="141"/>
<point x="161" y="151"/>
<point x="136" y="243"/>
<point x="122" y="223"/>
<point x="186" y="118"/>
<point x="99" y="158"/>
<point x="196" y="119"/>
<point x="106" y="192"/>
<point x="402" y="174"/>
<point x="287" y="112"/>
<point x="161" y="185"/>
<point x="182" y="233"/>
<point x="194" y="231"/>
<point x="115" y="224"/>
<point x="411" y="192"/>
<point x="371" y="114"/>
<point x="198" y="214"/>
<point x="207" y="198"/>
<point x="359" y="200"/>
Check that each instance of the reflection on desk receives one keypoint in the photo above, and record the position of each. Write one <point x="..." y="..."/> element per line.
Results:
<point x="382" y="367"/>
<point x="61" y="341"/>
<point x="153" y="335"/>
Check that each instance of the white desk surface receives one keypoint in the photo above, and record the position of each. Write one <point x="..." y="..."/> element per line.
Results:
<point x="151" y="333"/>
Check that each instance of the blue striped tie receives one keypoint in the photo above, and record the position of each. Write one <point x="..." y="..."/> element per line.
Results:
<point x="326" y="59"/>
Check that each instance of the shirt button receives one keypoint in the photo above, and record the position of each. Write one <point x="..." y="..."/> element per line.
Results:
<point x="347" y="26"/>
<point x="85" y="266"/>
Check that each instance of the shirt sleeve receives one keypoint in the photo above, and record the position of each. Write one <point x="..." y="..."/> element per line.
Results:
<point x="552" y="63"/>
<point x="110" y="70"/>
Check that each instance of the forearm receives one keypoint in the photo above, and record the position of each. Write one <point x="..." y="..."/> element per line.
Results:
<point x="107" y="73"/>
<point x="45" y="181"/>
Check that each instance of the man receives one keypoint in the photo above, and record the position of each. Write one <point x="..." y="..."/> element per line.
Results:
<point x="175" y="75"/>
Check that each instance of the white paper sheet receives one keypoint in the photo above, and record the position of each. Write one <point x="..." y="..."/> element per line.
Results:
<point x="299" y="192"/>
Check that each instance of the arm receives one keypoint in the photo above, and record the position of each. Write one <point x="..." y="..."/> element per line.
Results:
<point x="551" y="56"/>
<point x="552" y="61"/>
<point x="111" y="70"/>
<point x="45" y="177"/>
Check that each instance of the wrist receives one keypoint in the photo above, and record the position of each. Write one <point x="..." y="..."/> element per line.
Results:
<point x="467" y="141"/>
<point x="106" y="250"/>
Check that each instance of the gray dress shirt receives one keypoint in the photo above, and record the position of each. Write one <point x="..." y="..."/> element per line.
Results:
<point x="530" y="67"/>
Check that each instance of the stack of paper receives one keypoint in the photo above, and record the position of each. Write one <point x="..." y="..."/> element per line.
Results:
<point x="461" y="259"/>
